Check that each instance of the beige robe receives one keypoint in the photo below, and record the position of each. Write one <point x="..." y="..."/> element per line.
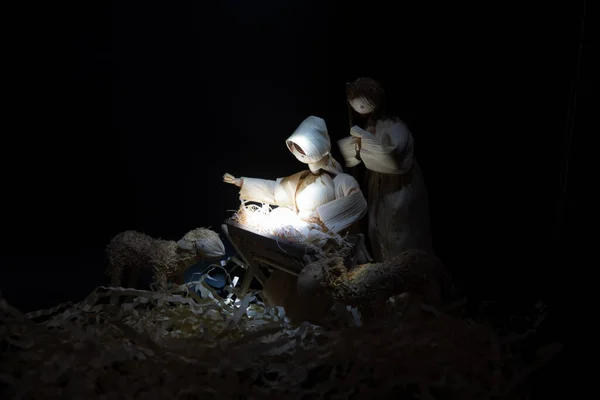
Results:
<point x="398" y="201"/>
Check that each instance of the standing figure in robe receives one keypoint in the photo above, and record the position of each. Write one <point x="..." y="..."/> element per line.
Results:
<point x="323" y="195"/>
<point x="398" y="202"/>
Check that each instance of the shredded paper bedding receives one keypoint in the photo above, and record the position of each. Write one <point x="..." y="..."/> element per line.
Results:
<point x="181" y="345"/>
<point x="282" y="222"/>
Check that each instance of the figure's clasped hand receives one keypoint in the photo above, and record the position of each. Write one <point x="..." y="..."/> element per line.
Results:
<point x="232" y="180"/>
<point x="350" y="149"/>
<point x="359" y="132"/>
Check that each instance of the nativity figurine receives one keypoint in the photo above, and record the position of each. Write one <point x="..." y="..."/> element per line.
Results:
<point x="323" y="197"/>
<point x="398" y="217"/>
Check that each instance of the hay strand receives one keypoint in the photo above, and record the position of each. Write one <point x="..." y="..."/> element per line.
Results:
<point x="283" y="223"/>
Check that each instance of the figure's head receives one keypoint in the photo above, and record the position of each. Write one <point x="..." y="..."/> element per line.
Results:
<point x="201" y="243"/>
<point x="310" y="141"/>
<point x="365" y="95"/>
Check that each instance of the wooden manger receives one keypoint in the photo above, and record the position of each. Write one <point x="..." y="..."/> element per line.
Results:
<point x="259" y="250"/>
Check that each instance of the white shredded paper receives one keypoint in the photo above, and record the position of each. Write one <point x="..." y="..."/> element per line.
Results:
<point x="180" y="345"/>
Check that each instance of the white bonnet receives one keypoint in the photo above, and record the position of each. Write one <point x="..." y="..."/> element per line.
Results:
<point x="313" y="140"/>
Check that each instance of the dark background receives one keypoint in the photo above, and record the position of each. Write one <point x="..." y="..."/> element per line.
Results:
<point x="134" y="114"/>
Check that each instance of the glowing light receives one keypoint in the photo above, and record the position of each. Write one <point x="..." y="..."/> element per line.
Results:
<point x="267" y="219"/>
<point x="285" y="223"/>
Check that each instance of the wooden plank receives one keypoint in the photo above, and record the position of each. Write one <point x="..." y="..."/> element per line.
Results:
<point x="248" y="276"/>
<point x="250" y="273"/>
<point x="256" y="272"/>
<point x="250" y="230"/>
<point x="254" y="239"/>
<point x="252" y="270"/>
<point x="225" y="229"/>
<point x="276" y="266"/>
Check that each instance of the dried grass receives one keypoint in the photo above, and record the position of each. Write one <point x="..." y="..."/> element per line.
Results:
<point x="129" y="248"/>
<point x="175" y="345"/>
<point x="266" y="219"/>
<point x="368" y="286"/>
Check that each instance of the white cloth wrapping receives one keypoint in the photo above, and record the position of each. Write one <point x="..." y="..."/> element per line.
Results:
<point x="337" y="201"/>
<point x="311" y="136"/>
<point x="339" y="214"/>
<point x="387" y="152"/>
<point x="310" y="144"/>
<point x="349" y="149"/>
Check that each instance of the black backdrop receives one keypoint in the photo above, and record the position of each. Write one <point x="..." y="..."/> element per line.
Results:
<point x="199" y="89"/>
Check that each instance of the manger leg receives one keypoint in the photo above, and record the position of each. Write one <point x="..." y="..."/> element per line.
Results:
<point x="248" y="276"/>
